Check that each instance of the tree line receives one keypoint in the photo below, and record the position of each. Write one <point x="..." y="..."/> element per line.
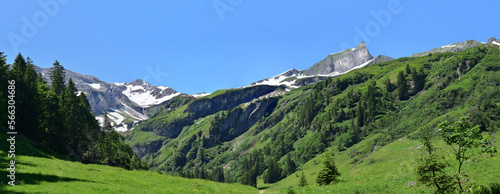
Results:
<point x="60" y="117"/>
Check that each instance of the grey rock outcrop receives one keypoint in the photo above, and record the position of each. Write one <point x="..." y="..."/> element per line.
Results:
<point x="455" y="47"/>
<point x="341" y="62"/>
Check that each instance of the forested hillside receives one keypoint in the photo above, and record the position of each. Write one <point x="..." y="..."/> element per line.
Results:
<point x="375" y="105"/>
<point x="58" y="116"/>
<point x="375" y="129"/>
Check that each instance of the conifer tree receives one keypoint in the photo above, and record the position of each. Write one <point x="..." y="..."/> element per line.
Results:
<point x="57" y="75"/>
<point x="4" y="75"/>
<point x="273" y="172"/>
<point x="329" y="173"/>
<point x="290" y="165"/>
<point x="389" y="87"/>
<point x="4" y="69"/>
<point x="74" y="119"/>
<point x="27" y="104"/>
<point x="302" y="181"/>
<point x="402" y="85"/>
<point x="53" y="122"/>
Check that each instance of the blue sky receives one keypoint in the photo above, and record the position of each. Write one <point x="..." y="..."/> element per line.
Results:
<point x="195" y="46"/>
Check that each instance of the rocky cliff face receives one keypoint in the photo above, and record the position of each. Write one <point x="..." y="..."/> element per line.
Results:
<point x="239" y="120"/>
<point x="230" y="99"/>
<point x="203" y="107"/>
<point x="341" y="62"/>
<point x="152" y="147"/>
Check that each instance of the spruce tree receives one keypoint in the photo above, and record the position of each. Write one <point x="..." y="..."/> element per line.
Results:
<point x="33" y="102"/>
<point x="4" y="69"/>
<point x="57" y="75"/>
<point x="389" y="87"/>
<point x="4" y="75"/>
<point x="74" y="120"/>
<point x="53" y="122"/>
<point x="27" y="99"/>
<point x="302" y="181"/>
<point x="329" y="173"/>
<point x="290" y="165"/>
<point x="273" y="172"/>
<point x="402" y="86"/>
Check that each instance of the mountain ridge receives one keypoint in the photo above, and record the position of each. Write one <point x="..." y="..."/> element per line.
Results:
<point x="125" y="103"/>
<point x="334" y="64"/>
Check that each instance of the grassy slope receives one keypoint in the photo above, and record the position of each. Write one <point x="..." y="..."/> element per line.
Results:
<point x="388" y="169"/>
<point x="414" y="113"/>
<point x="40" y="171"/>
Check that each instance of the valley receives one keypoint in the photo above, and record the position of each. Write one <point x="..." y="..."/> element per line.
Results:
<point x="365" y="112"/>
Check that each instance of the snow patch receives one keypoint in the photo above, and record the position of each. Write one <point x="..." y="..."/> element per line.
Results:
<point x="100" y="119"/>
<point x="497" y="43"/>
<point x="141" y="96"/>
<point x="94" y="85"/>
<point x="278" y="80"/>
<point x="119" y="84"/>
<point x="199" y="95"/>
<point x="449" y="46"/>
<point x="162" y="87"/>
<point x="121" y="128"/>
<point x="116" y="117"/>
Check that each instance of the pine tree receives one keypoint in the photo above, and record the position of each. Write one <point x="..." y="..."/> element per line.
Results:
<point x="273" y="172"/>
<point x="302" y="181"/>
<point x="106" y="144"/>
<point x="27" y="99"/>
<point x="4" y="69"/>
<point x="402" y="86"/>
<point x="74" y="120"/>
<point x="57" y="75"/>
<point x="329" y="173"/>
<point x="53" y="122"/>
<point x="4" y="76"/>
<point x="408" y="70"/>
<point x="389" y="87"/>
<point x="290" y="165"/>
<point x="360" y="113"/>
<point x="218" y="174"/>
<point x="33" y="102"/>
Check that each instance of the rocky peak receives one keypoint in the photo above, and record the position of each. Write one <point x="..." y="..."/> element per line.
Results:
<point x="341" y="62"/>
<point x="290" y="72"/>
<point x="361" y="45"/>
<point x="491" y="40"/>
<point x="139" y="82"/>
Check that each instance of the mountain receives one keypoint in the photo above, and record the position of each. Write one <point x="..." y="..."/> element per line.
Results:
<point x="494" y="41"/>
<point x="333" y="65"/>
<point x="455" y="47"/>
<point x="126" y="103"/>
<point x="353" y="115"/>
